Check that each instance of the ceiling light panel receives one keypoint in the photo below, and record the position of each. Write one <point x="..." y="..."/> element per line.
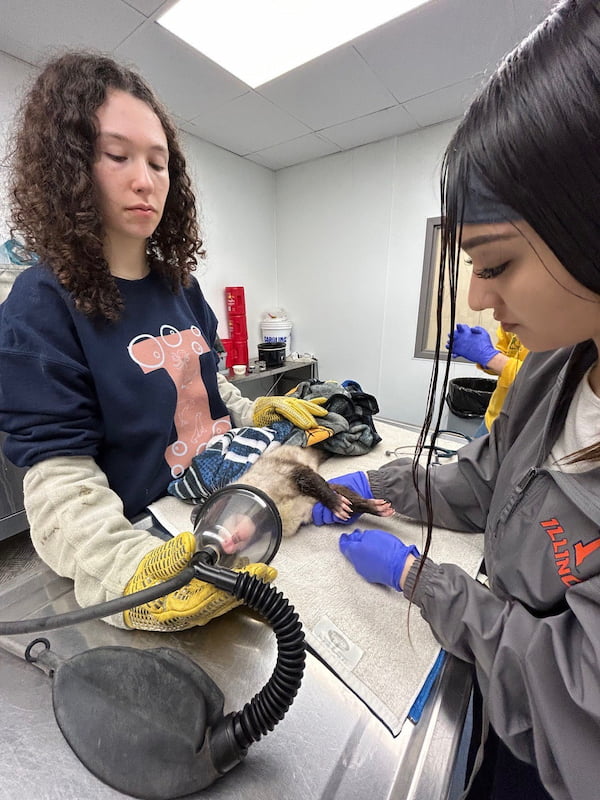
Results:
<point x="258" y="40"/>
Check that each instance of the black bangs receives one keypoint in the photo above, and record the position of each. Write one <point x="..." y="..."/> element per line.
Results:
<point x="533" y="136"/>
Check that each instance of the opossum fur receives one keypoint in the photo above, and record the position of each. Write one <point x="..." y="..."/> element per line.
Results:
<point x="288" y="475"/>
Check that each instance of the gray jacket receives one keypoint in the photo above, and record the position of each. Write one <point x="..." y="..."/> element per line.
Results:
<point x="535" y="637"/>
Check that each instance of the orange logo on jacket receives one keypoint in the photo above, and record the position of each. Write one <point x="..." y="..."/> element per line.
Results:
<point x="562" y="555"/>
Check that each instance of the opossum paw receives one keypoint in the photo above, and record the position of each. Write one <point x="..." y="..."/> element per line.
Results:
<point x="343" y="507"/>
<point x="381" y="508"/>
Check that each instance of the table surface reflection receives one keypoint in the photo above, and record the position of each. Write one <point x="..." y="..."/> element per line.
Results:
<point x="329" y="745"/>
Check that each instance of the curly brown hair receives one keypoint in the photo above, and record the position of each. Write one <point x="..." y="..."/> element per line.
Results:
<point x="54" y="203"/>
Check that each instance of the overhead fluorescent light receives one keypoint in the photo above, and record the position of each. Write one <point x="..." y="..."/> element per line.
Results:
<point x="257" y="40"/>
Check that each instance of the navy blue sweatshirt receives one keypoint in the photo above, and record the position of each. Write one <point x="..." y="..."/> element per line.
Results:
<point x="138" y="395"/>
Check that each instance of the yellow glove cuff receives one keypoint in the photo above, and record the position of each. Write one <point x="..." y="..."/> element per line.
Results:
<point x="164" y="562"/>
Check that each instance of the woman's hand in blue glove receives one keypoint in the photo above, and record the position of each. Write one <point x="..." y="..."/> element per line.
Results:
<point x="472" y="343"/>
<point x="357" y="481"/>
<point x="378" y="556"/>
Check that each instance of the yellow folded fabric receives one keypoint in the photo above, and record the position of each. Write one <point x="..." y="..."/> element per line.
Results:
<point x="194" y="604"/>
<point x="317" y="435"/>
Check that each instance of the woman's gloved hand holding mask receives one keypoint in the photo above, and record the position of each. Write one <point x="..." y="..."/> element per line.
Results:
<point x="194" y="604"/>
<point x="378" y="556"/>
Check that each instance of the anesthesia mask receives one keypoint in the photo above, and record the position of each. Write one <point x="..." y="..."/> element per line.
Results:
<point x="150" y="723"/>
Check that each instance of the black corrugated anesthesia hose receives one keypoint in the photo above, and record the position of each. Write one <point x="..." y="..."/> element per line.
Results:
<point x="269" y="706"/>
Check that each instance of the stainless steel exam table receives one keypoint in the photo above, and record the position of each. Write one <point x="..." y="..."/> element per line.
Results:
<point x="329" y="745"/>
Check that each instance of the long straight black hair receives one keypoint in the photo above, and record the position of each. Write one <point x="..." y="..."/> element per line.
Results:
<point x="533" y="135"/>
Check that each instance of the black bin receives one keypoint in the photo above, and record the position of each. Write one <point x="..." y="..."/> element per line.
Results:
<point x="272" y="353"/>
<point x="469" y="397"/>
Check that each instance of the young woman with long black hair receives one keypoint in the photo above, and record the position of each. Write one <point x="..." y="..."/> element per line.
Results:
<point x="520" y="189"/>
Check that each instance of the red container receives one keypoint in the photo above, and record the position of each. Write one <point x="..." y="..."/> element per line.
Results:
<point x="235" y="300"/>
<point x="237" y="353"/>
<point x="238" y="330"/>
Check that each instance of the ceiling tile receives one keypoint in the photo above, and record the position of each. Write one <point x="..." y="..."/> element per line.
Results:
<point x="371" y="128"/>
<point x="439" y="44"/>
<point x="247" y="124"/>
<point x="331" y="89"/>
<point x="188" y="82"/>
<point x="447" y="103"/>
<point x="528" y="13"/>
<point x="414" y="71"/>
<point x="148" y="7"/>
<point x="12" y="75"/>
<point x="4" y="204"/>
<point x="258" y="159"/>
<point x="19" y="48"/>
<point x="34" y="31"/>
<point x="304" y="148"/>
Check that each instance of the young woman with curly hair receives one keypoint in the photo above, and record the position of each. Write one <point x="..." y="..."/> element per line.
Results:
<point x="55" y="196"/>
<point x="108" y="374"/>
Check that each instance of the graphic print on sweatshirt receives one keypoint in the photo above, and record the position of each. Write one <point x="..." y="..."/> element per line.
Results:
<point x="178" y="353"/>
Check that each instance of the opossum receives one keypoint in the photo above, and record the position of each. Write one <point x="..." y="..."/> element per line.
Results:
<point x="288" y="475"/>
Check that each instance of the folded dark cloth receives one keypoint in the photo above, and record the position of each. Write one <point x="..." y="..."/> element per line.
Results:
<point x="350" y="415"/>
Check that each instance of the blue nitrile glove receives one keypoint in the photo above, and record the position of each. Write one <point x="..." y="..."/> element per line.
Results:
<point x="357" y="481"/>
<point x="472" y="343"/>
<point x="377" y="555"/>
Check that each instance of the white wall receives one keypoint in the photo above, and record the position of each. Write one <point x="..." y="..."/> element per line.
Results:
<point x="13" y="74"/>
<point x="236" y="200"/>
<point x="350" y="243"/>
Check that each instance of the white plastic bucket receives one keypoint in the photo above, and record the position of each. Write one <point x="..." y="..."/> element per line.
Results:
<point x="277" y="331"/>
